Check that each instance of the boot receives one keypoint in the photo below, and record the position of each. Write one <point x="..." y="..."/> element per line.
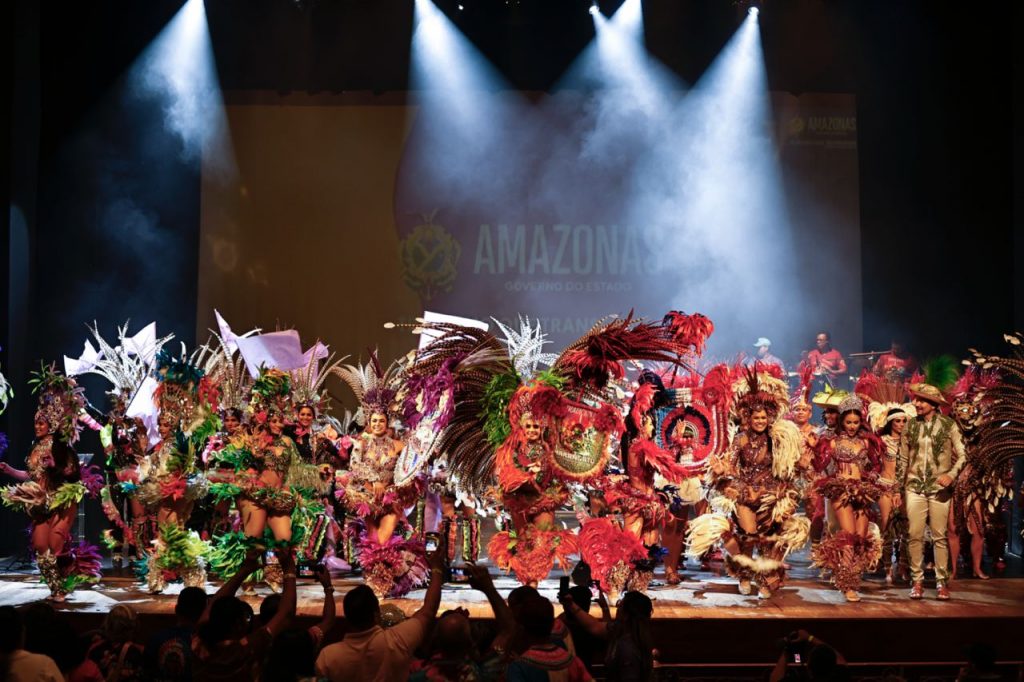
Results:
<point x="50" y="573"/>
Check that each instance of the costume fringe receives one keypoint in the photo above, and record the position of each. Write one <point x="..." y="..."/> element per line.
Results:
<point x="787" y="447"/>
<point x="848" y="556"/>
<point x="112" y="513"/>
<point x="609" y="549"/>
<point x="532" y="554"/>
<point x="795" y="531"/>
<point x="394" y="568"/>
<point x="706" y="531"/>
<point x="178" y="554"/>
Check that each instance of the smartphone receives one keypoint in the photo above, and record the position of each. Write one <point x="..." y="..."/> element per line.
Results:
<point x="796" y="657"/>
<point x="563" y="585"/>
<point x="432" y="541"/>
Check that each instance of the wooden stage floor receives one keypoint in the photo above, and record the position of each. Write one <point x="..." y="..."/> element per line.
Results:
<point x="701" y="620"/>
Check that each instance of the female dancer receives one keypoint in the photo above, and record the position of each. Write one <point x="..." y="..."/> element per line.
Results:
<point x="391" y="565"/>
<point x="848" y="464"/>
<point x="52" y="487"/>
<point x="889" y="420"/>
<point x="755" y="490"/>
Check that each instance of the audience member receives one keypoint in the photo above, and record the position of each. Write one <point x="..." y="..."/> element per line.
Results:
<point x="455" y="653"/>
<point x="981" y="664"/>
<point x="51" y="634"/>
<point x="224" y="648"/>
<point x="815" y="660"/>
<point x="17" y="664"/>
<point x="543" y="659"/>
<point x="168" y="654"/>
<point x="630" y="653"/>
<point x="371" y="653"/>
<point x="293" y="652"/>
<point x="113" y="650"/>
<point x="585" y="645"/>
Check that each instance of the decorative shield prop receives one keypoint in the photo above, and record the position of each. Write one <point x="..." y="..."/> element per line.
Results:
<point x="689" y="429"/>
<point x="415" y="455"/>
<point x="581" y="451"/>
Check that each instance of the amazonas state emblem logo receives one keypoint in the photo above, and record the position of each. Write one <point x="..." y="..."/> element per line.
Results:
<point x="430" y="258"/>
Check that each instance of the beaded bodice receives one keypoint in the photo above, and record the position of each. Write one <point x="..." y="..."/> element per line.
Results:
<point x="376" y="459"/>
<point x="753" y="458"/>
<point x="277" y="455"/>
<point x="850" y="452"/>
<point x="40" y="459"/>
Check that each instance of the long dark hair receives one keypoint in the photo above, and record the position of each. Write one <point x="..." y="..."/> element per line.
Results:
<point x="63" y="456"/>
<point x="887" y="429"/>
<point x="634" y="623"/>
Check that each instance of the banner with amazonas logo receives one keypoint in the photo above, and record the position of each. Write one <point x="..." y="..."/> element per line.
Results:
<point x="355" y="210"/>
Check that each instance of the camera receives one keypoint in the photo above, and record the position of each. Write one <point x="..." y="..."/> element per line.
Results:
<point x="432" y="541"/>
<point x="795" y="648"/>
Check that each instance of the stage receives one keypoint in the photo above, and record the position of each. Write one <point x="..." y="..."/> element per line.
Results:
<point x="703" y="620"/>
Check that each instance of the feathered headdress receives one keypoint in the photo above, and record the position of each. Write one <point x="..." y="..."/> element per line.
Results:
<point x="886" y="400"/>
<point x="61" y="400"/>
<point x="308" y="381"/>
<point x="469" y="372"/>
<point x="271" y="395"/>
<point x="126" y="364"/>
<point x="758" y="390"/>
<point x="184" y="394"/>
<point x="690" y="332"/>
<point x="376" y="389"/>
<point x="1000" y="433"/>
<point x="223" y="365"/>
<point x="941" y="372"/>
<point x="597" y="357"/>
<point x="802" y="395"/>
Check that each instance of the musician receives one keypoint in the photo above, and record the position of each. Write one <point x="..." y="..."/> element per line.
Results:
<point x="764" y="355"/>
<point x="825" y="361"/>
<point x="895" y="364"/>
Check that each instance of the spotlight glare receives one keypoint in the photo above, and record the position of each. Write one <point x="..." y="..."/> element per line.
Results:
<point x="594" y="8"/>
<point x="461" y="8"/>
<point x="753" y="11"/>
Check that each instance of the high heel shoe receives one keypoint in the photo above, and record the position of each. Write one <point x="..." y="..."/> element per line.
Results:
<point x="980" y="575"/>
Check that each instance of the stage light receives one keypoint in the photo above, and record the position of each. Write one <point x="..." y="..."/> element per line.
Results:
<point x="178" y="68"/>
<point x="594" y="9"/>
<point x="461" y="8"/>
<point x="753" y="11"/>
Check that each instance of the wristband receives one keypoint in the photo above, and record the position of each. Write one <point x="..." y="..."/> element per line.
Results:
<point x="328" y="590"/>
<point x="290" y="575"/>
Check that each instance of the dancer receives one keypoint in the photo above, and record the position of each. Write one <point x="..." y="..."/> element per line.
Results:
<point x="500" y="417"/>
<point x="51" y="487"/>
<point x="976" y="495"/>
<point x="756" y="490"/>
<point x="125" y="444"/>
<point x="848" y="464"/>
<point x="391" y="564"/>
<point x="999" y="439"/>
<point x="531" y="489"/>
<point x="171" y="481"/>
<point x="888" y="414"/>
<point x="126" y="364"/>
<point x="931" y="457"/>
